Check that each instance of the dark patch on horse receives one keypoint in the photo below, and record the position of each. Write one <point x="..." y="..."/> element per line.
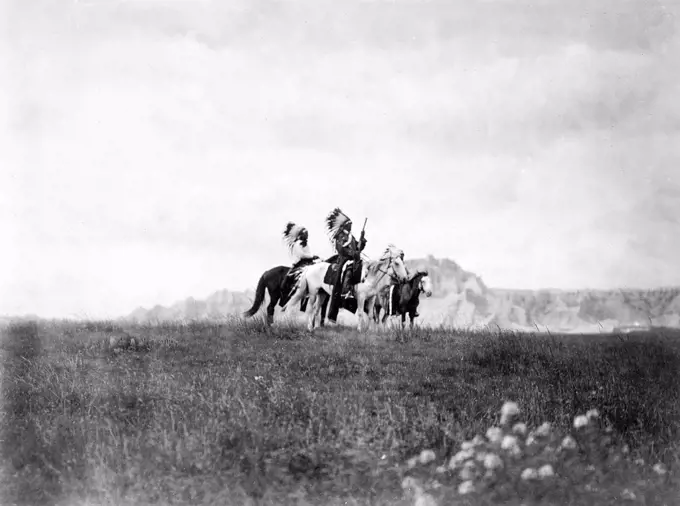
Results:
<point x="271" y="281"/>
<point x="331" y="274"/>
<point x="405" y="299"/>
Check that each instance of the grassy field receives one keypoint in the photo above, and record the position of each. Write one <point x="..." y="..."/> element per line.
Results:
<point x="235" y="413"/>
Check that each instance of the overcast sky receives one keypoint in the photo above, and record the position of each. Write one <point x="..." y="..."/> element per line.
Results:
<point x="153" y="150"/>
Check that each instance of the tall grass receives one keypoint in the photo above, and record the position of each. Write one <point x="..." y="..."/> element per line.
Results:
<point x="239" y="413"/>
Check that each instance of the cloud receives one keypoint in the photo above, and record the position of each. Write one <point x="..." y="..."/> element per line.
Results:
<point x="531" y="143"/>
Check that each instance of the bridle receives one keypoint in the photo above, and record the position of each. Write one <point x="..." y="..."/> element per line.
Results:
<point x="385" y="272"/>
<point x="420" y="284"/>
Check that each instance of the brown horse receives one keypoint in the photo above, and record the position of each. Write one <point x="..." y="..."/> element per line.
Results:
<point x="402" y="298"/>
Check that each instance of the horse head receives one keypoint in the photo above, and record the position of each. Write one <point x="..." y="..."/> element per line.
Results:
<point x="394" y="258"/>
<point x="419" y="282"/>
<point x="425" y="283"/>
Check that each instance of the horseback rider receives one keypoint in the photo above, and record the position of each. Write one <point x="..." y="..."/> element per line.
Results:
<point x="296" y="238"/>
<point x="396" y="282"/>
<point x="348" y="248"/>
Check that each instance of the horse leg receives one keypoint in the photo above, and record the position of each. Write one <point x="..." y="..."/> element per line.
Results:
<point x="311" y="311"/>
<point x="360" y="313"/>
<point x="274" y="300"/>
<point x="320" y="308"/>
<point x="323" y="301"/>
<point x="370" y="310"/>
<point x="403" y="319"/>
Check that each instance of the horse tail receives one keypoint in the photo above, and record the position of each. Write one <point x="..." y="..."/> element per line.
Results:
<point x="259" y="297"/>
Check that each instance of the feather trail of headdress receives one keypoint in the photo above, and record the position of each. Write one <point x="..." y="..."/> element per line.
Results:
<point x="335" y="221"/>
<point x="291" y="233"/>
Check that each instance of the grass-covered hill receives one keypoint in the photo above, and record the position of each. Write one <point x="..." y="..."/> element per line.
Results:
<point x="117" y="414"/>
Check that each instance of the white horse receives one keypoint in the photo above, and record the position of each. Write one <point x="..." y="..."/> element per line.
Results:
<point x="376" y="274"/>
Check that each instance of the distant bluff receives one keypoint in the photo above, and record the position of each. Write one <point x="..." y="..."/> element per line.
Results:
<point x="461" y="298"/>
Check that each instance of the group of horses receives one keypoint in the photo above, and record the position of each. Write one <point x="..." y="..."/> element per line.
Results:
<point x="385" y="284"/>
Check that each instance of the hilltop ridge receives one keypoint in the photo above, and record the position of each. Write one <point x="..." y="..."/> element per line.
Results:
<point x="461" y="298"/>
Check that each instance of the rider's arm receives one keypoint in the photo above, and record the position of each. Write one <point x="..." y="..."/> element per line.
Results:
<point x="362" y="241"/>
<point x="344" y="248"/>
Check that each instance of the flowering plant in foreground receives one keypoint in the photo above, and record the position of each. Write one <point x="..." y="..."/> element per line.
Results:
<point x="512" y="460"/>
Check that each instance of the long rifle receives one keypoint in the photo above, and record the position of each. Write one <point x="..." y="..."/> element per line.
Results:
<point x="362" y="232"/>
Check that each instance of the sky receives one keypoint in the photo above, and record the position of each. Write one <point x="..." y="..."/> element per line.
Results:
<point x="152" y="150"/>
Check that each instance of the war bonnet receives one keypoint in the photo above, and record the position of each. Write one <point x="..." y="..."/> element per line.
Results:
<point x="336" y="221"/>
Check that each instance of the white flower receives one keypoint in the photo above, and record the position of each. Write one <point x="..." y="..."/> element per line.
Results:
<point x="509" y="443"/>
<point x="568" y="443"/>
<point x="580" y="421"/>
<point x="476" y="441"/>
<point x="592" y="413"/>
<point x="520" y="428"/>
<point x="494" y="434"/>
<point x="546" y="471"/>
<point x="640" y="461"/>
<point x="659" y="468"/>
<point x="625" y="449"/>
<point x="627" y="494"/>
<point x="440" y="470"/>
<point x="509" y="410"/>
<point x="427" y="456"/>
<point x="531" y="440"/>
<point x="529" y="474"/>
<point x="492" y="461"/>
<point x="467" y="445"/>
<point x="410" y="483"/>
<point x="411" y="463"/>
<point x="423" y="499"/>
<point x="543" y="430"/>
<point x="466" y="487"/>
<point x="468" y="471"/>
<point x="460" y="457"/>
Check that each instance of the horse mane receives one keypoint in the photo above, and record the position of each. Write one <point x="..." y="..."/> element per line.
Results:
<point x="390" y="251"/>
<point x="418" y="273"/>
<point x="372" y="266"/>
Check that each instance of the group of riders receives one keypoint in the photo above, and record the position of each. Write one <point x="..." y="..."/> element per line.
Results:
<point x="346" y="264"/>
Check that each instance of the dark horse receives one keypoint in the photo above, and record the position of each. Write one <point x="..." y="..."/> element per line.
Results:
<point x="405" y="297"/>
<point x="272" y="282"/>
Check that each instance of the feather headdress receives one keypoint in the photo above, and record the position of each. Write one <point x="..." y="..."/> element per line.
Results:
<point x="336" y="221"/>
<point x="291" y="234"/>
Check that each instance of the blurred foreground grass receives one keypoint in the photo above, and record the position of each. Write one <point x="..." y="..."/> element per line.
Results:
<point x="235" y="413"/>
